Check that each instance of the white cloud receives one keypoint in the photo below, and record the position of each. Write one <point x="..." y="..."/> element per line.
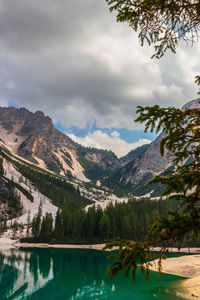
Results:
<point x="11" y="85"/>
<point x="78" y="65"/>
<point x="3" y="102"/>
<point x="101" y="140"/>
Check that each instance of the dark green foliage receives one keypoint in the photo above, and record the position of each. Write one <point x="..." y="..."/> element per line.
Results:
<point x="114" y="179"/>
<point x="21" y="189"/>
<point x="67" y="161"/>
<point x="91" y="169"/>
<point x="66" y="154"/>
<point x="182" y="129"/>
<point x="67" y="158"/>
<point x="161" y="23"/>
<point x="129" y="255"/>
<point x="36" y="223"/>
<point x="106" y="153"/>
<point x="8" y="196"/>
<point x="46" y="228"/>
<point x="135" y="154"/>
<point x="1" y="166"/>
<point x="12" y="201"/>
<point x="122" y="220"/>
<point x="54" y="187"/>
<point x="197" y="81"/>
<point x="53" y="166"/>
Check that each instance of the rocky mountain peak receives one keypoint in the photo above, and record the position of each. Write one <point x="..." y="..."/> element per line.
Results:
<point x="151" y="163"/>
<point x="192" y="104"/>
<point x="34" y="137"/>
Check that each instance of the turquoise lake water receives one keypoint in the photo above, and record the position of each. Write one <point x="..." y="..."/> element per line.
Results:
<point x="59" y="274"/>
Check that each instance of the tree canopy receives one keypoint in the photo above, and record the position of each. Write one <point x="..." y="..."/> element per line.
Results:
<point x="182" y="136"/>
<point x="162" y="23"/>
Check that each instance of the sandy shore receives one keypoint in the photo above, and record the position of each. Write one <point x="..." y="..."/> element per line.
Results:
<point x="185" y="266"/>
<point x="7" y="243"/>
<point x="60" y="246"/>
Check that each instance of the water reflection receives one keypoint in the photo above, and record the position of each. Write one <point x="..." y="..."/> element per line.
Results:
<point x="59" y="274"/>
<point x="22" y="274"/>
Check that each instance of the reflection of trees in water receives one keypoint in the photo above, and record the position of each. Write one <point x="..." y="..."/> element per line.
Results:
<point x="2" y="257"/>
<point x="65" y="274"/>
<point x="71" y="269"/>
<point x="22" y="272"/>
<point x="8" y="277"/>
<point x="44" y="264"/>
<point x="9" y="272"/>
<point x="39" y="263"/>
<point x="34" y="266"/>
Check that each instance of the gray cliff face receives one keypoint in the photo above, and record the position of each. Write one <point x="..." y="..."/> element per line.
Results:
<point x="148" y="165"/>
<point x="133" y="155"/>
<point x="38" y="135"/>
<point x="110" y="162"/>
<point x="151" y="163"/>
<point x="192" y="104"/>
<point x="35" y="137"/>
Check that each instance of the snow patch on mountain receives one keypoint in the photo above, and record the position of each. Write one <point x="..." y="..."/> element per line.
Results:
<point x="12" y="174"/>
<point x="103" y="203"/>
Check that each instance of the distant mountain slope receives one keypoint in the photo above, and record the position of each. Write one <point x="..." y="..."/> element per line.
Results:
<point x="24" y="185"/>
<point x="134" y="154"/>
<point x="53" y="163"/>
<point x="144" y="168"/>
<point x="149" y="164"/>
<point x="34" y="137"/>
<point x="115" y="180"/>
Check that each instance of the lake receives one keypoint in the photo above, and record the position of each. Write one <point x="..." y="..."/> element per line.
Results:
<point x="58" y="274"/>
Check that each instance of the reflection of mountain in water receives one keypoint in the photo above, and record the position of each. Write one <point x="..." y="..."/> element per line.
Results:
<point x="23" y="273"/>
<point x="58" y="274"/>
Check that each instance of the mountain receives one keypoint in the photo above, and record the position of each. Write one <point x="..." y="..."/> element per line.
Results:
<point x="116" y="179"/>
<point x="33" y="137"/>
<point x="40" y="164"/>
<point x="133" y="155"/>
<point x="149" y="164"/>
<point x="136" y="174"/>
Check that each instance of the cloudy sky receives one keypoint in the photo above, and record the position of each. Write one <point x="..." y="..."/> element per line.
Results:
<point x="71" y="60"/>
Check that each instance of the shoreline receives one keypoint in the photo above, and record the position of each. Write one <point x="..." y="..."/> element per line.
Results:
<point x="186" y="266"/>
<point x="59" y="246"/>
<point x="7" y="242"/>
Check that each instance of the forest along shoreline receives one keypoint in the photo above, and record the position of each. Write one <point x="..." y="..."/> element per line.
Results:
<point x="187" y="266"/>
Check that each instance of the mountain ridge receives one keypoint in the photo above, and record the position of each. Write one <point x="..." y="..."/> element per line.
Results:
<point x="34" y="137"/>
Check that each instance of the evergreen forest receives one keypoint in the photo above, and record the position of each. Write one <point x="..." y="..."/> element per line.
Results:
<point x="122" y="220"/>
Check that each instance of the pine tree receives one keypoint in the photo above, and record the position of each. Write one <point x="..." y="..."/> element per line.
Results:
<point x="36" y="223"/>
<point x="105" y="227"/>
<point x="28" y="224"/>
<point x="161" y="23"/>
<point x="182" y="139"/>
<point x="58" y="230"/>
<point x="46" y="228"/>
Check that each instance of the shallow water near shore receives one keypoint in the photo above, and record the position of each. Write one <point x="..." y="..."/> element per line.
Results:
<point x="58" y="274"/>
